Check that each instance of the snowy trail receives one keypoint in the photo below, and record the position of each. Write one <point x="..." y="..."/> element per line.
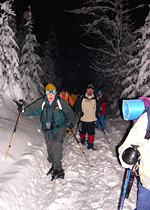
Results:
<point x="24" y="184"/>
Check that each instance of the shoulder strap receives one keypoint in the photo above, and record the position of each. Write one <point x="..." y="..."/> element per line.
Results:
<point x="59" y="104"/>
<point x="43" y="105"/>
<point x="61" y="109"/>
<point x="147" y="135"/>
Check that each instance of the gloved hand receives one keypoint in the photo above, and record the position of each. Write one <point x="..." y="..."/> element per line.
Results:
<point x="79" y="114"/>
<point x="98" y="115"/>
<point x="70" y="125"/>
<point x="21" y="107"/>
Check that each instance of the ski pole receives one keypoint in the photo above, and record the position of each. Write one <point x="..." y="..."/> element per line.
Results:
<point x="103" y="130"/>
<point x="110" y="111"/>
<point x="77" y="126"/>
<point x="81" y="147"/>
<point x="13" y="134"/>
<point x="131" y="180"/>
<point x="125" y="190"/>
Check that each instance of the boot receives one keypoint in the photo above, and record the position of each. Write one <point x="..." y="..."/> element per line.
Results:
<point x="58" y="174"/>
<point x="50" y="170"/>
<point x="91" y="146"/>
<point x="83" y="141"/>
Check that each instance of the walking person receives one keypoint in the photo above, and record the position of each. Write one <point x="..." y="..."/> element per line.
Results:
<point x="65" y="95"/>
<point x="103" y="102"/>
<point x="86" y="108"/>
<point x="56" y="115"/>
<point x="136" y="150"/>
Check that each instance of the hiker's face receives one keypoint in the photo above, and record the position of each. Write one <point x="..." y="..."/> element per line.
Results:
<point x="100" y="96"/>
<point x="50" y="97"/>
<point x="89" y="91"/>
<point x="63" y="93"/>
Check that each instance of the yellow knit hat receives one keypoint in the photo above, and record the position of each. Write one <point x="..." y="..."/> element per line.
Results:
<point x="50" y="87"/>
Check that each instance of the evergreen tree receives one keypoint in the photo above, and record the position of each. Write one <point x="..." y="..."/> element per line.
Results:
<point x="137" y="82"/>
<point x="9" y="62"/>
<point x="110" y="29"/>
<point x="143" y="81"/>
<point x="31" y="72"/>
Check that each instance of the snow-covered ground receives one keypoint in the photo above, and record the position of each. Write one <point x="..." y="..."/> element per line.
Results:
<point x="24" y="184"/>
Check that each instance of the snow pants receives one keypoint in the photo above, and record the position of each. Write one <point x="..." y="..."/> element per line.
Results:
<point x="87" y="127"/>
<point x="102" y="122"/>
<point x="54" y="148"/>
<point x="143" y="198"/>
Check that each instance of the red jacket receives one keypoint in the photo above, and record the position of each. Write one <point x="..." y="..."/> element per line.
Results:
<point x="104" y="105"/>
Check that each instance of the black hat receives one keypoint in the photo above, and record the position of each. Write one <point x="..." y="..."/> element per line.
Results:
<point x="90" y="86"/>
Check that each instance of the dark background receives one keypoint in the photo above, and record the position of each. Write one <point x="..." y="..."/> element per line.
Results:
<point x="52" y="15"/>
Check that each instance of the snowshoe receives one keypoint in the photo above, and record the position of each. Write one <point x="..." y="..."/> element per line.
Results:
<point x="92" y="148"/>
<point x="58" y="174"/>
<point x="50" y="171"/>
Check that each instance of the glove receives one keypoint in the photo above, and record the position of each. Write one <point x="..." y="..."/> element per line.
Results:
<point x="79" y="114"/>
<point x="98" y="115"/>
<point x="21" y="107"/>
<point x="70" y="125"/>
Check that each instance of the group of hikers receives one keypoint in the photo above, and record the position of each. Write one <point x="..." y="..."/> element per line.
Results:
<point x="62" y="110"/>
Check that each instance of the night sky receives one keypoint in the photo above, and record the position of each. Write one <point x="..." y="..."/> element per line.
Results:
<point x="50" y="14"/>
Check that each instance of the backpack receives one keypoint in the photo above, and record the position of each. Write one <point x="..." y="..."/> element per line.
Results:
<point x="49" y="124"/>
<point x="147" y="135"/>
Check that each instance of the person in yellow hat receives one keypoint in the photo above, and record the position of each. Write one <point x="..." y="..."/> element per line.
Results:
<point x="50" y="87"/>
<point x="56" y="116"/>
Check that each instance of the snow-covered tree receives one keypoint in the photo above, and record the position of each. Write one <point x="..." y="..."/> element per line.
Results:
<point x="137" y="82"/>
<point x="110" y="29"/>
<point x="9" y="62"/>
<point x="30" y="69"/>
<point x="143" y="81"/>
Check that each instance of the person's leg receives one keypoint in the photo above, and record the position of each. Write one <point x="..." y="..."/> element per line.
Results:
<point x="97" y="124"/>
<point x="91" y="133"/>
<point x="83" y="130"/>
<point x="49" y="145"/>
<point x="143" y="198"/>
<point x="102" y="124"/>
<point x="57" y="148"/>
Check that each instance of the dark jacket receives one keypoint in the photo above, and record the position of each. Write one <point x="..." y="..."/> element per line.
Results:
<point x="52" y="114"/>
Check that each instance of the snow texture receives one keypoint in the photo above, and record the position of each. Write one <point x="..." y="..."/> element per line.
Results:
<point x="24" y="184"/>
